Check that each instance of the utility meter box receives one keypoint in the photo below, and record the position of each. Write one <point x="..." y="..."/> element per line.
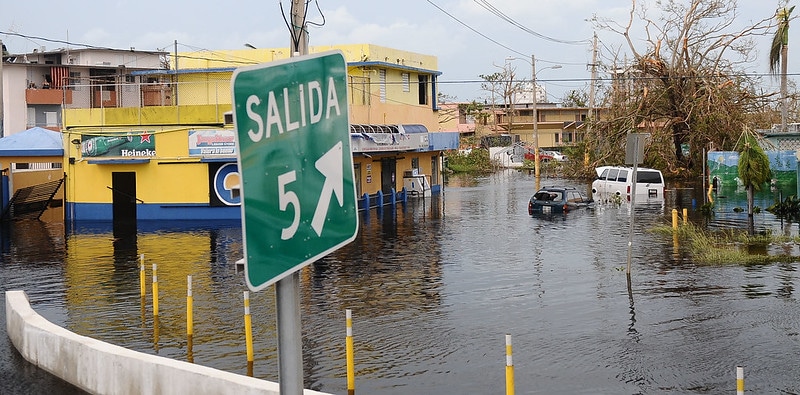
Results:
<point x="416" y="184"/>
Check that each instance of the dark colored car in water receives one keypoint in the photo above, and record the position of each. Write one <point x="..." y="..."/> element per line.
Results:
<point x="558" y="199"/>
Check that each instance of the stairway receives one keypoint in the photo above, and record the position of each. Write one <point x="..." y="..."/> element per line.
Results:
<point x="30" y="202"/>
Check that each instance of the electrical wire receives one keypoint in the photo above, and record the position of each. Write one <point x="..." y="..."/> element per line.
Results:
<point x="494" y="10"/>
<point x="474" y="30"/>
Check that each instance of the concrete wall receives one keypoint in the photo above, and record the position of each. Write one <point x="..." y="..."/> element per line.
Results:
<point x="102" y="368"/>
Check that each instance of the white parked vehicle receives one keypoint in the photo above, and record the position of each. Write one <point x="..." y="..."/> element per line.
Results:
<point x="615" y="183"/>
<point x="557" y="156"/>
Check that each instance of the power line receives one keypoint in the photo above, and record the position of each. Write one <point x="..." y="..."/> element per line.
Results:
<point x="474" y="30"/>
<point x="89" y="46"/>
<point x="494" y="10"/>
<point x="626" y="78"/>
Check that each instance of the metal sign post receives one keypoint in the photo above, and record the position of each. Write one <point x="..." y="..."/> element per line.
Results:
<point x="634" y="152"/>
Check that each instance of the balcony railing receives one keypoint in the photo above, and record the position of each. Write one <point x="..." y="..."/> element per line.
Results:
<point x="135" y="94"/>
<point x="48" y="96"/>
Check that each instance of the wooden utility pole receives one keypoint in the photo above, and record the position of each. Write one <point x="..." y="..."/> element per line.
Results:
<point x="593" y="82"/>
<point x="299" y="35"/>
<point x="2" y="118"/>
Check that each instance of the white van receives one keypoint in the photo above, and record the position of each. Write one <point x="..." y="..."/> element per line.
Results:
<point x="614" y="183"/>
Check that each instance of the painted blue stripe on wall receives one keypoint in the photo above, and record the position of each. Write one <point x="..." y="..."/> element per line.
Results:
<point x="104" y="212"/>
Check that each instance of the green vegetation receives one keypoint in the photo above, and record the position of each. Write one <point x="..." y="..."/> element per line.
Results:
<point x="732" y="246"/>
<point x="475" y="161"/>
<point x="788" y="209"/>
<point x="754" y="169"/>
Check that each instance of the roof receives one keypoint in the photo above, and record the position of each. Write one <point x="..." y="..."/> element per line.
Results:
<point x="32" y="142"/>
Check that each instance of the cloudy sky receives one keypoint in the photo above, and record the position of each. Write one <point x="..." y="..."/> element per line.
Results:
<point x="469" y="37"/>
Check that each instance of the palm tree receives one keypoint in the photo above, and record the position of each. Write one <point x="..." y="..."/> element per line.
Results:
<point x="754" y="170"/>
<point x="778" y="53"/>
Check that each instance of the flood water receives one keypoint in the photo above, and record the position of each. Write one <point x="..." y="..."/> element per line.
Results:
<point x="434" y="286"/>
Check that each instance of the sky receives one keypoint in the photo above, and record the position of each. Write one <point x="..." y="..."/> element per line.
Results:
<point x="469" y="37"/>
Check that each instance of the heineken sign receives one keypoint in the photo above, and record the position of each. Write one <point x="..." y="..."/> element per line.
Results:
<point x="295" y="163"/>
<point x="128" y="144"/>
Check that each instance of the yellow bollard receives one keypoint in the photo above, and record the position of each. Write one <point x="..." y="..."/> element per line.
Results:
<point x="189" y="351"/>
<point x="141" y="276"/>
<point x="675" y="245"/>
<point x="351" y="377"/>
<point x="189" y="308"/>
<point x="155" y="290"/>
<point x="156" y="332"/>
<point x="248" y="327"/>
<point x="739" y="380"/>
<point x="709" y="193"/>
<point x="509" y="368"/>
<point x="674" y="218"/>
<point x="685" y="216"/>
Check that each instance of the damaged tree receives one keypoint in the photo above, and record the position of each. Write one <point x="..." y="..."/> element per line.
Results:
<point x="688" y="87"/>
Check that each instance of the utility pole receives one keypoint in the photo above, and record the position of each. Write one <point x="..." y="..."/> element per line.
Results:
<point x="2" y="118"/>
<point x="175" y="90"/>
<point x="592" y="114"/>
<point x="537" y="159"/>
<point x="299" y="35"/>
<point x="287" y="289"/>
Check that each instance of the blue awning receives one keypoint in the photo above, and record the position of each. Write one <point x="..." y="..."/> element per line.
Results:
<point x="32" y="142"/>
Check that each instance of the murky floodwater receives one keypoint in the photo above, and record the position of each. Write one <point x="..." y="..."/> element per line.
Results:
<point x="434" y="286"/>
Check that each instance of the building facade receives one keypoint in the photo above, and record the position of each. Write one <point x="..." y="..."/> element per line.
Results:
<point x="149" y="139"/>
<point x="36" y="85"/>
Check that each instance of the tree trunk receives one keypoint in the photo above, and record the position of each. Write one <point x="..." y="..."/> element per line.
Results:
<point x="784" y="66"/>
<point x="750" y="223"/>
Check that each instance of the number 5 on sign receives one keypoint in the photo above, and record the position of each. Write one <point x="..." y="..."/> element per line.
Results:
<point x="287" y="198"/>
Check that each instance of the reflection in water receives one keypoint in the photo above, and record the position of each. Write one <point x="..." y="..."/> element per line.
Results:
<point x="434" y="285"/>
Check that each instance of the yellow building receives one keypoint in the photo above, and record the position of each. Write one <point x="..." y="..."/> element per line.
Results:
<point x="557" y="126"/>
<point x="160" y="143"/>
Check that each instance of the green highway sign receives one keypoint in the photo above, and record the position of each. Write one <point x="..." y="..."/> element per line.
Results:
<point x="295" y="163"/>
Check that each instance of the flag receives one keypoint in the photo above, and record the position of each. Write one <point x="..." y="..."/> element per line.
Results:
<point x="59" y="77"/>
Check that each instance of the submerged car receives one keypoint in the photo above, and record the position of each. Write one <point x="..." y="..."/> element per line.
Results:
<point x="558" y="199"/>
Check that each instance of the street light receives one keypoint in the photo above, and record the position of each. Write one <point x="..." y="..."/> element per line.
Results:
<point x="537" y="159"/>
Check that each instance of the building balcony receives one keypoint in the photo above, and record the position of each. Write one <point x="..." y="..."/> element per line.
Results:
<point x="48" y="96"/>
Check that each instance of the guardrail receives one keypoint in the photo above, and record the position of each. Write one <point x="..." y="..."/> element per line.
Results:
<point x="103" y="368"/>
<point x="367" y="202"/>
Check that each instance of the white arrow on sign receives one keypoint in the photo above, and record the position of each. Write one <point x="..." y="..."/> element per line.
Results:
<point x="330" y="165"/>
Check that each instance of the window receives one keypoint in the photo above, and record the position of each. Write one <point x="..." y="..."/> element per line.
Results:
<point x="406" y="82"/>
<point x="612" y="174"/>
<point x="357" y="177"/>
<point x="423" y="89"/>
<point x="434" y="169"/>
<point x="382" y="79"/>
<point x="548" y="196"/>
<point x="415" y="163"/>
<point x="74" y="79"/>
<point x="51" y="118"/>
<point x="648" y="177"/>
<point x="623" y="176"/>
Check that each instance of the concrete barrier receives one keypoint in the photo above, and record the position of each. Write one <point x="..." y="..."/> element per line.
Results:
<point x="102" y="368"/>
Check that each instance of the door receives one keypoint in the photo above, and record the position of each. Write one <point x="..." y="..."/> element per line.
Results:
<point x="123" y="201"/>
<point x="388" y="174"/>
